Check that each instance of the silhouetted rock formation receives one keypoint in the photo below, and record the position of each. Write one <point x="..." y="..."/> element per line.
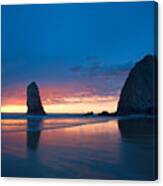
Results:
<point x="139" y="93"/>
<point x="104" y="113"/>
<point x="88" y="114"/>
<point x="33" y="100"/>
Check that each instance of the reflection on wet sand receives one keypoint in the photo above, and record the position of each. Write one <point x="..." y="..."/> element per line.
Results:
<point x="138" y="127"/>
<point x="139" y="146"/>
<point x="104" y="150"/>
<point x="34" y="127"/>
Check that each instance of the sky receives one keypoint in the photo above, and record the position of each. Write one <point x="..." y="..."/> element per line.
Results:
<point x="78" y="54"/>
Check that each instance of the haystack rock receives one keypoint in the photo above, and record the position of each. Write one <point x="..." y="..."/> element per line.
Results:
<point x="139" y="93"/>
<point x="33" y="100"/>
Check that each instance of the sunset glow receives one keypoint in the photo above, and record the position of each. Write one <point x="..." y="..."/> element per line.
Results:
<point x="73" y="105"/>
<point x="74" y="61"/>
<point x="71" y="98"/>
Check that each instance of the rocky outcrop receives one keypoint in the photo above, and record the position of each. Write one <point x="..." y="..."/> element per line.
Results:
<point x="139" y="93"/>
<point x="33" y="100"/>
<point x="88" y="114"/>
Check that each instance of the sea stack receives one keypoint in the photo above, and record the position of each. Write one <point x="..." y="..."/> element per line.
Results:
<point x="33" y="100"/>
<point x="139" y="93"/>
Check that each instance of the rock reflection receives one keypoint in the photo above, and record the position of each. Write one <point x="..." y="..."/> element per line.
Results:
<point x="138" y="127"/>
<point x="33" y="133"/>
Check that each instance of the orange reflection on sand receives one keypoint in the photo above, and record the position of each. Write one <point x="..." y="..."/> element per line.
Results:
<point x="13" y="121"/>
<point x="61" y="120"/>
<point x="13" y="124"/>
<point x="90" y="134"/>
<point x="69" y="120"/>
<point x="90" y="141"/>
<point x="85" y="140"/>
<point x="110" y="127"/>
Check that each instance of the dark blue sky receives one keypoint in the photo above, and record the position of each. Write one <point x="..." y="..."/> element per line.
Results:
<point x="85" y="45"/>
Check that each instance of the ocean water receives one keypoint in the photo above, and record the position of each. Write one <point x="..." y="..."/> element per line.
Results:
<point x="73" y="146"/>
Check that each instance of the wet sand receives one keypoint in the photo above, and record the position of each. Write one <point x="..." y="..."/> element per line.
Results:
<point x="88" y="151"/>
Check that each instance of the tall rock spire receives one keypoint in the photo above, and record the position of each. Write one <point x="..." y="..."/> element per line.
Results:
<point x="33" y="100"/>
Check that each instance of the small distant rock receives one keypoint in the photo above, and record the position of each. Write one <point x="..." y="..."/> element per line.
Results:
<point x="104" y="113"/>
<point x="88" y="114"/>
